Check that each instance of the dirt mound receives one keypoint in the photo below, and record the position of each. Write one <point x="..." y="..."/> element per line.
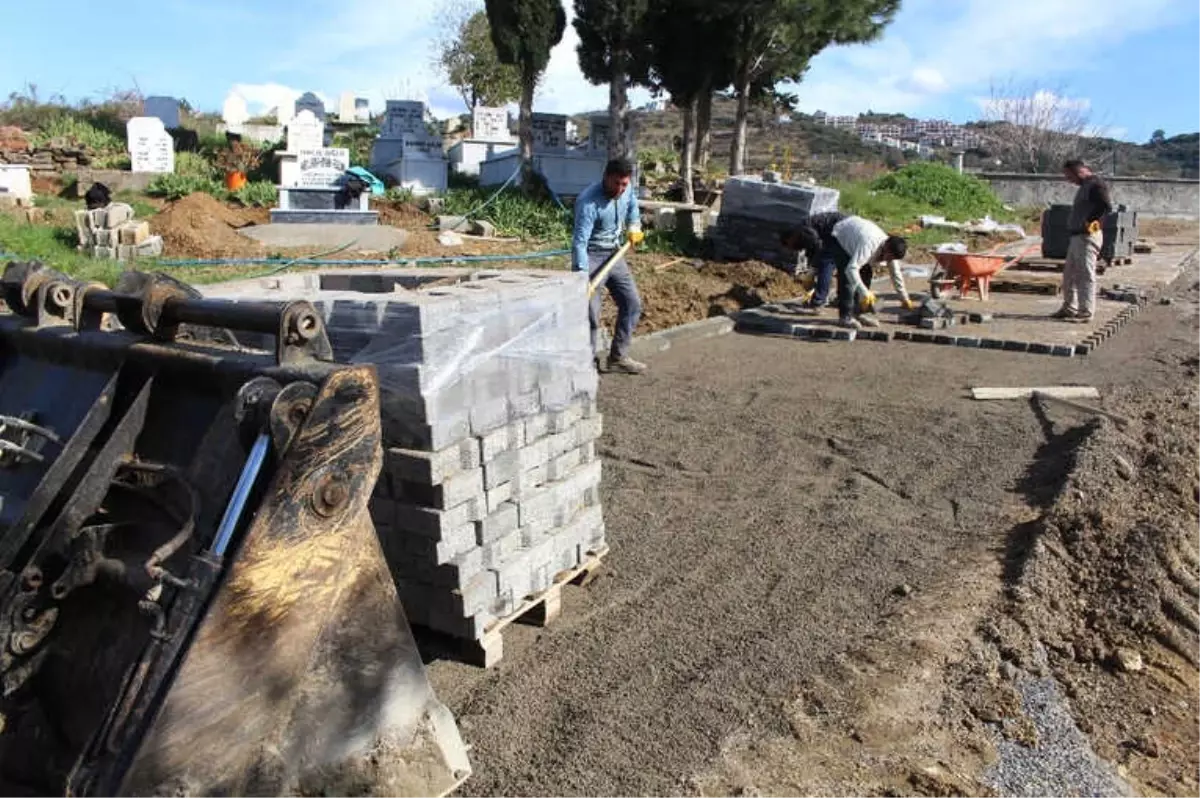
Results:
<point x="1107" y="589"/>
<point x="203" y="227"/>
<point x="684" y="292"/>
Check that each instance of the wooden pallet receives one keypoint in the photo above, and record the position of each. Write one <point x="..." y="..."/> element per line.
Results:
<point x="1041" y="264"/>
<point x="1027" y="282"/>
<point x="539" y="610"/>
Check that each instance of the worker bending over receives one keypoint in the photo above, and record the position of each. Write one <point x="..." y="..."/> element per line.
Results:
<point x="849" y="246"/>
<point x="1092" y="203"/>
<point x="606" y="214"/>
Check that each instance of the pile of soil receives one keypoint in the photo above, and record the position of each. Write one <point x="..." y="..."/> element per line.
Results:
<point x="1105" y="598"/>
<point x="693" y="290"/>
<point x="201" y="226"/>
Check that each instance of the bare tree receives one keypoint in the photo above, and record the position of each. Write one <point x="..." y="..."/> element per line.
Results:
<point x="1033" y="128"/>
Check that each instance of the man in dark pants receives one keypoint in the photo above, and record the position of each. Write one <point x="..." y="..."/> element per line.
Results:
<point x="852" y="246"/>
<point x="606" y="215"/>
<point x="811" y="240"/>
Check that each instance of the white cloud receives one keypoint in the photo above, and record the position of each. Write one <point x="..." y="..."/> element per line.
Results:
<point x="941" y="48"/>
<point x="1039" y="104"/>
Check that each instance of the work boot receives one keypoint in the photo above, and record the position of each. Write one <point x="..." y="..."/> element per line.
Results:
<point x="625" y="365"/>
<point x="849" y="323"/>
<point x="1063" y="313"/>
<point x="1081" y="318"/>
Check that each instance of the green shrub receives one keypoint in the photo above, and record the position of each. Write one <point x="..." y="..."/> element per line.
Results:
<point x="398" y="196"/>
<point x="173" y="187"/>
<point x="193" y="164"/>
<point x="257" y="194"/>
<point x="67" y="129"/>
<point x="940" y="187"/>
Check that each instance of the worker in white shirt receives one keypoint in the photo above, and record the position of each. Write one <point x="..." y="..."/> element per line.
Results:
<point x="854" y="245"/>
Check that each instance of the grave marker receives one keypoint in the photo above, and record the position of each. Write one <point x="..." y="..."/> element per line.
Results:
<point x="490" y="124"/>
<point x="312" y="103"/>
<point x="322" y="168"/>
<point x="305" y="132"/>
<point x="164" y="108"/>
<point x="151" y="148"/>
<point x="549" y="133"/>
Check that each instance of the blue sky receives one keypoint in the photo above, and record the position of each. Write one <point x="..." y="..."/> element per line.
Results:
<point x="1133" y="66"/>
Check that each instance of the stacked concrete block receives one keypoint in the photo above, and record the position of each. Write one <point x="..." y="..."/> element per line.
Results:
<point x="474" y="530"/>
<point x="490" y="484"/>
<point x="754" y="213"/>
<point x="111" y="232"/>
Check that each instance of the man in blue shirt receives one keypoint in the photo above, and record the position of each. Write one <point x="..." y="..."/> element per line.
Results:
<point x="606" y="214"/>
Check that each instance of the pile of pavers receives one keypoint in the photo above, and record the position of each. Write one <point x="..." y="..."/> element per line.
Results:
<point x="112" y="232"/>
<point x="755" y="211"/>
<point x="490" y="483"/>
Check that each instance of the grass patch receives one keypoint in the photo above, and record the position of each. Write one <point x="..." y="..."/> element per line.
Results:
<point x="54" y="245"/>
<point x="513" y="213"/>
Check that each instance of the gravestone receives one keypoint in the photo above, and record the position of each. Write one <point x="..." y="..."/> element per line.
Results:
<point x="322" y="168"/>
<point x="406" y="151"/>
<point x="550" y="133"/>
<point x="305" y="132"/>
<point x="151" y="148"/>
<point x="164" y="108"/>
<point x="599" y="133"/>
<point x="235" y="113"/>
<point x="404" y="119"/>
<point x="312" y="103"/>
<point x="490" y="125"/>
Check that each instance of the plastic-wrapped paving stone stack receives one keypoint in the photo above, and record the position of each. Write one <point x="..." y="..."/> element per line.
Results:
<point x="490" y="483"/>
<point x="754" y="213"/>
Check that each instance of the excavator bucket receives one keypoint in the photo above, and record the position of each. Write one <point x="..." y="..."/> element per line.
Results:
<point x="193" y="600"/>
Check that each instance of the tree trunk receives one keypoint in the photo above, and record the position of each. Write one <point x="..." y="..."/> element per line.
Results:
<point x="618" y="111"/>
<point x="689" y="148"/>
<point x="704" y="127"/>
<point x="737" y="151"/>
<point x="525" y="128"/>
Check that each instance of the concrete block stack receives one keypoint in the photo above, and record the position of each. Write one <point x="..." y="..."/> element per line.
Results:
<point x="111" y="232"/>
<point x="490" y="483"/>
<point x="754" y="212"/>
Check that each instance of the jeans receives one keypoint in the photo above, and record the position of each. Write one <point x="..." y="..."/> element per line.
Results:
<point x="825" y="267"/>
<point x="623" y="290"/>
<point x="1079" y="273"/>
<point x="847" y="301"/>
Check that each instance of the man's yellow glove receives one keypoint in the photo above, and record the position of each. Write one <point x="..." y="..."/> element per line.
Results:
<point x="867" y="303"/>
<point x="908" y="304"/>
<point x="635" y="237"/>
<point x="1093" y="227"/>
<point x="807" y="280"/>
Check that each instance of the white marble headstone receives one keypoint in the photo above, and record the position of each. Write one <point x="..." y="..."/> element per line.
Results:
<point x="165" y="108"/>
<point x="151" y="148"/>
<point x="490" y="124"/>
<point x="305" y="132"/>
<point x="549" y="133"/>
<point x="235" y="113"/>
<point x="322" y="168"/>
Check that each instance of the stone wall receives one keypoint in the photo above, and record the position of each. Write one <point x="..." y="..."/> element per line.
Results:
<point x="1149" y="196"/>
<point x="42" y="161"/>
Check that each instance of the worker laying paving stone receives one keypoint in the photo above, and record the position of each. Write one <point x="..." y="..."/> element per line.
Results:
<point x="852" y="246"/>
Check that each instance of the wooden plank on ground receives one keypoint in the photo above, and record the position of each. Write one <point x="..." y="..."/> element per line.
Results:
<point x="1054" y="392"/>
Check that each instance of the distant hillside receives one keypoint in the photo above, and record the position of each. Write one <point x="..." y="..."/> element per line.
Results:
<point x="826" y="151"/>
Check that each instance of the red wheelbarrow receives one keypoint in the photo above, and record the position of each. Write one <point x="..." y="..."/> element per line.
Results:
<point x="961" y="269"/>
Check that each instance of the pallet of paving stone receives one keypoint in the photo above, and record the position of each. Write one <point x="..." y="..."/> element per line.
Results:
<point x="1015" y="282"/>
<point x="540" y="609"/>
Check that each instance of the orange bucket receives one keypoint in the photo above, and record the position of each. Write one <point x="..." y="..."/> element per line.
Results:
<point x="235" y="180"/>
